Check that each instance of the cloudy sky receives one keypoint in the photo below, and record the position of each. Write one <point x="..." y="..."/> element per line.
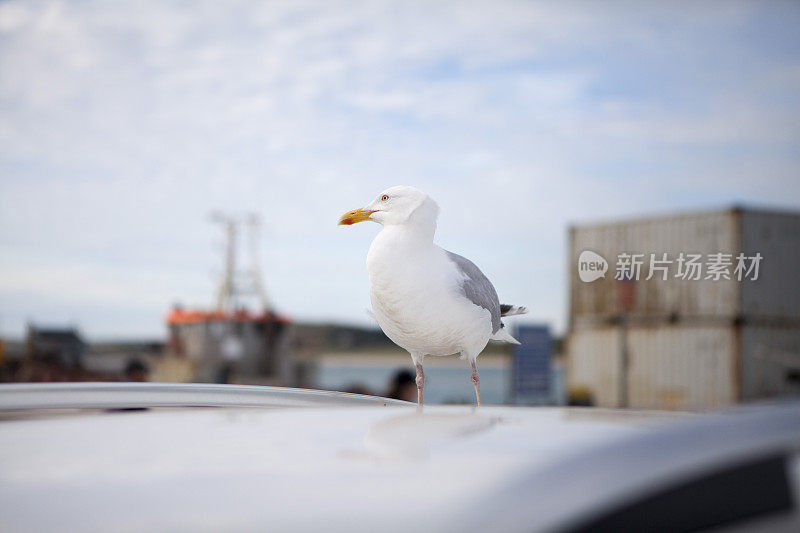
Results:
<point x="122" y="125"/>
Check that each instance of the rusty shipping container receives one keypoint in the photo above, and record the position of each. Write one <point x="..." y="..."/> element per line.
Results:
<point x="670" y="367"/>
<point x="688" y="343"/>
<point x="685" y="367"/>
<point x="773" y="297"/>
<point x="769" y="361"/>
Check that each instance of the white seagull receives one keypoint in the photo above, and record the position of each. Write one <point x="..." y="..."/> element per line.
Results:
<point x="427" y="300"/>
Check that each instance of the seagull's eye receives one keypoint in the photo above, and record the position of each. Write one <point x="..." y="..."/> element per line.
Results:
<point x="384" y="197"/>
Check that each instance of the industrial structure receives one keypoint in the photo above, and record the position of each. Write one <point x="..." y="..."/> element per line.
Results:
<point x="242" y="339"/>
<point x="687" y="311"/>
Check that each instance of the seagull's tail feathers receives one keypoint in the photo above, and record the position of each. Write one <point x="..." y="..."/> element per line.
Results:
<point x="503" y="335"/>
<point x="510" y="310"/>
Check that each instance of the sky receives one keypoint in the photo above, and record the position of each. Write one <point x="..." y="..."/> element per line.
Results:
<point x="124" y="124"/>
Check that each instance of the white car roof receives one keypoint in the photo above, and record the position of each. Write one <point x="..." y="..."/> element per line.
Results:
<point x="347" y="467"/>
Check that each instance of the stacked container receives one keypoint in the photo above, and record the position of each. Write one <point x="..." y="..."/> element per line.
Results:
<point x="687" y="343"/>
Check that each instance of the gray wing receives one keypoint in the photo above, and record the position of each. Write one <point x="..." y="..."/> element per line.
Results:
<point x="477" y="288"/>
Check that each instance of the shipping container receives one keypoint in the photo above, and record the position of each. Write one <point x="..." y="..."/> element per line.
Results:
<point x="683" y="366"/>
<point x="775" y="297"/>
<point x="593" y="361"/>
<point x="659" y="295"/>
<point x="770" y="361"/>
<point x="710" y="340"/>
<point x="669" y="367"/>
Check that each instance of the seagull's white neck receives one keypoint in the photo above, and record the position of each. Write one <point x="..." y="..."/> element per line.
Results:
<point x="420" y="226"/>
<point x="402" y="238"/>
<point x="409" y="238"/>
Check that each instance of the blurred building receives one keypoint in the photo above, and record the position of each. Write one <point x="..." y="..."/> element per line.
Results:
<point x="686" y="311"/>
<point x="110" y="359"/>
<point x="46" y="354"/>
<point x="532" y="366"/>
<point x="312" y="339"/>
<point x="62" y="346"/>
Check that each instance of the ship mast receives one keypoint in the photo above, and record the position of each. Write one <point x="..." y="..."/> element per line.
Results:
<point x="234" y="284"/>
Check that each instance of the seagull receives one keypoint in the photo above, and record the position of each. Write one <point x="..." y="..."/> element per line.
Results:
<point x="427" y="300"/>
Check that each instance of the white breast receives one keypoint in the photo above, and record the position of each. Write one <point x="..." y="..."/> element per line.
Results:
<point x="414" y="289"/>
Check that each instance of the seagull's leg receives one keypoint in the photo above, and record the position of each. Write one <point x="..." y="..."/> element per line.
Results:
<point x="420" y="377"/>
<point x="420" y="383"/>
<point x="476" y="380"/>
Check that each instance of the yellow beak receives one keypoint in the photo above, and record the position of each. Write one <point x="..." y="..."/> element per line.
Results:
<point x="351" y="217"/>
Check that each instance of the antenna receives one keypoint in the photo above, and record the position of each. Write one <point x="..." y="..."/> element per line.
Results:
<point x="233" y="283"/>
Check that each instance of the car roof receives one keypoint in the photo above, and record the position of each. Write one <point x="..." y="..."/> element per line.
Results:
<point x="356" y="463"/>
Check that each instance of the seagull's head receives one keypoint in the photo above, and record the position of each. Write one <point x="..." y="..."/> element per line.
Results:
<point x="396" y="205"/>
